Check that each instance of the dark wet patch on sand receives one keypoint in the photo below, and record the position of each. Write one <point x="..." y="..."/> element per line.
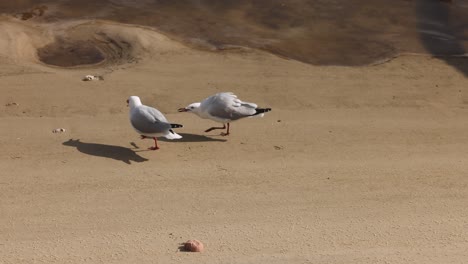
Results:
<point x="68" y="53"/>
<point x="36" y="11"/>
<point x="87" y="45"/>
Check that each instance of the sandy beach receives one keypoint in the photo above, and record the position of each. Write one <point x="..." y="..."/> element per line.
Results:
<point x="353" y="165"/>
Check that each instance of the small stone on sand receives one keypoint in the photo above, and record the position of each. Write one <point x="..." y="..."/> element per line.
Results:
<point x="193" y="245"/>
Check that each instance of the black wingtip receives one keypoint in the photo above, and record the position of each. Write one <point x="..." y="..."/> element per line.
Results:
<point x="176" y="125"/>
<point x="261" y="110"/>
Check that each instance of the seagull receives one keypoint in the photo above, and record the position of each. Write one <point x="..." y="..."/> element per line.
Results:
<point x="224" y="108"/>
<point x="150" y="122"/>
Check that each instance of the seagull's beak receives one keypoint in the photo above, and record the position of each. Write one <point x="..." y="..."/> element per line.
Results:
<point x="183" y="110"/>
<point x="127" y="103"/>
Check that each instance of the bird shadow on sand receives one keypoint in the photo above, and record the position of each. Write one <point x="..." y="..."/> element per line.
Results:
<point x="193" y="138"/>
<point x="107" y="151"/>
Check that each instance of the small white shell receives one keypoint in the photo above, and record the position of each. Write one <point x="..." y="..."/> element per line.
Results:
<point x="58" y="130"/>
<point x="92" y="78"/>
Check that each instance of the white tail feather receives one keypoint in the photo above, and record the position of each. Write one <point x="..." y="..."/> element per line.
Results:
<point x="259" y="115"/>
<point x="172" y="136"/>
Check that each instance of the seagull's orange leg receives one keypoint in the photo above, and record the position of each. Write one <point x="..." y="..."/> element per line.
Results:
<point x="213" y="128"/>
<point x="155" y="144"/>
<point x="227" y="131"/>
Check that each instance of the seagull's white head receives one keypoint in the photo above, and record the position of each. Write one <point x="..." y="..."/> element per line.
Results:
<point x="193" y="108"/>
<point x="133" y="101"/>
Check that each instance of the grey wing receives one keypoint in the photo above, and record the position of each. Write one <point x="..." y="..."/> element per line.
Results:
<point x="228" y="106"/>
<point x="149" y="120"/>
<point x="155" y="113"/>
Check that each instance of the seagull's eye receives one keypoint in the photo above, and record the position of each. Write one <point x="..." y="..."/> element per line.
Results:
<point x="191" y="107"/>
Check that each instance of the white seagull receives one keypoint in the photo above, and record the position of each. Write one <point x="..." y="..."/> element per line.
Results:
<point x="150" y="122"/>
<point x="224" y="108"/>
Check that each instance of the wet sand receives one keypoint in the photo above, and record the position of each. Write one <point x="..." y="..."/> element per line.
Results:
<point x="320" y="32"/>
<point x="353" y="165"/>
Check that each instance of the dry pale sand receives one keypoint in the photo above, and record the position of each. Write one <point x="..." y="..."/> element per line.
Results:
<point x="353" y="165"/>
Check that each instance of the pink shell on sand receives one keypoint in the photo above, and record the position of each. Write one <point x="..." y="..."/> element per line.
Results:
<point x="193" y="245"/>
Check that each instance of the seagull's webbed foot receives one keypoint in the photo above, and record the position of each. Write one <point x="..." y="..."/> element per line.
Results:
<point x="153" y="148"/>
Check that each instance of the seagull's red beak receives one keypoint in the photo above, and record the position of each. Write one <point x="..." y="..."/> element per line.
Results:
<point x="183" y="110"/>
